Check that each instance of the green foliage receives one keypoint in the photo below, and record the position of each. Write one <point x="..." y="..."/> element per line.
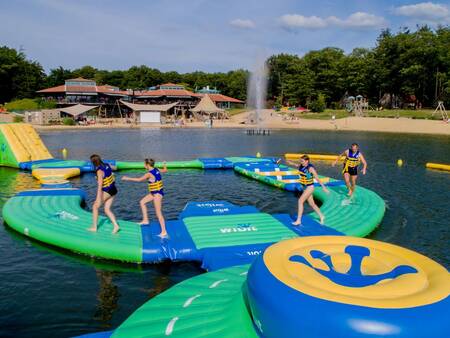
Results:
<point x="19" y="77"/>
<point x="29" y="104"/>
<point x="17" y="119"/>
<point x="21" y="105"/>
<point x="318" y="105"/>
<point x="68" y="121"/>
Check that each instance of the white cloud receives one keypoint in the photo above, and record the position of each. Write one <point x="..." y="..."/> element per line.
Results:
<point x="243" y="23"/>
<point x="355" y="20"/>
<point x="300" y="21"/>
<point x="426" y="11"/>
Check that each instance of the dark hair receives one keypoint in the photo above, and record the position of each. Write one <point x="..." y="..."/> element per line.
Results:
<point x="305" y="157"/>
<point x="355" y="144"/>
<point x="150" y="162"/>
<point x="96" y="160"/>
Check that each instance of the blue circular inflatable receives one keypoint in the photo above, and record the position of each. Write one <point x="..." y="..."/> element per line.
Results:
<point x="336" y="286"/>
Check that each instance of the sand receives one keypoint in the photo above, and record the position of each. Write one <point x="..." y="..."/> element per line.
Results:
<point x="271" y="120"/>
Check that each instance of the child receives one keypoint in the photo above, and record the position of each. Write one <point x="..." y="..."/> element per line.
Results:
<point x="106" y="192"/>
<point x="155" y="195"/>
<point x="307" y="175"/>
<point x="353" y="157"/>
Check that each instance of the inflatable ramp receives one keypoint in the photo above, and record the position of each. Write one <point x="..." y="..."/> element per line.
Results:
<point x="216" y="233"/>
<point x="20" y="144"/>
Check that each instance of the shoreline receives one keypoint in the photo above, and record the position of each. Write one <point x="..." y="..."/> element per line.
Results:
<point x="354" y="124"/>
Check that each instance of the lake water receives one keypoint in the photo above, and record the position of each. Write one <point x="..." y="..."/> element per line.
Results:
<point x="47" y="292"/>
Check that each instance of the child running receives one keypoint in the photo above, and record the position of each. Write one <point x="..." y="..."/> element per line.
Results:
<point x="353" y="157"/>
<point x="307" y="175"/>
<point x="106" y="192"/>
<point x="155" y="195"/>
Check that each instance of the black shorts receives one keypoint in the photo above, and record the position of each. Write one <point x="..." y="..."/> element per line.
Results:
<point x="111" y="191"/>
<point x="353" y="171"/>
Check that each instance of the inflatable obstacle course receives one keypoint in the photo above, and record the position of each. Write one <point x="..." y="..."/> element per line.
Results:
<point x="320" y="157"/>
<point x="324" y="286"/>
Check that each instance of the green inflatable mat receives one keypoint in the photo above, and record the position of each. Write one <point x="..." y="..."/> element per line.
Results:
<point x="209" y="305"/>
<point x="63" y="223"/>
<point x="193" y="164"/>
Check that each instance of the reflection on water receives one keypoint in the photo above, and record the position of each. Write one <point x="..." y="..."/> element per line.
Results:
<point x="108" y="296"/>
<point x="54" y="293"/>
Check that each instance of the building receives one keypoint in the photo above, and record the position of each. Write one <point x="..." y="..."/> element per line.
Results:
<point x="87" y="92"/>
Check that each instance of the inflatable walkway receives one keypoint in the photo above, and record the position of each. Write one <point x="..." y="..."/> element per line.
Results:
<point x="215" y="233"/>
<point x="325" y="286"/>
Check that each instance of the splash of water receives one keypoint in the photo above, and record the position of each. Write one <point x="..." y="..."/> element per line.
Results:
<point x="257" y="89"/>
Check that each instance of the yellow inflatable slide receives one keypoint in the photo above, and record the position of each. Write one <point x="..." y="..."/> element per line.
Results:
<point x="20" y="143"/>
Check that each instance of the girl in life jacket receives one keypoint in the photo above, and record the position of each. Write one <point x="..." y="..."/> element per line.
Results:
<point x="353" y="157"/>
<point x="307" y="175"/>
<point x="106" y="192"/>
<point x="155" y="193"/>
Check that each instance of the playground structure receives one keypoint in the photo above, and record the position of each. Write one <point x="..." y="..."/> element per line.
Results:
<point x="440" y="109"/>
<point x="358" y="105"/>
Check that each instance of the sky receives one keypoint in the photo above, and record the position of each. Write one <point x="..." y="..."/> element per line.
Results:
<point x="206" y="35"/>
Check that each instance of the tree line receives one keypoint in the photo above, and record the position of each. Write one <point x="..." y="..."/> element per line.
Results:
<point x="408" y="65"/>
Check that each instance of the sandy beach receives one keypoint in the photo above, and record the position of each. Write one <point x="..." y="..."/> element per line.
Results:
<point x="271" y="120"/>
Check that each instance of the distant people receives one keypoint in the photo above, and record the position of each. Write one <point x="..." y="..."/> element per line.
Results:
<point x="106" y="192"/>
<point x="307" y="175"/>
<point x="155" y="193"/>
<point x="353" y="157"/>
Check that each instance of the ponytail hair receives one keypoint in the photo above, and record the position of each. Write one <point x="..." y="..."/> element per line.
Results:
<point x="150" y="162"/>
<point x="96" y="160"/>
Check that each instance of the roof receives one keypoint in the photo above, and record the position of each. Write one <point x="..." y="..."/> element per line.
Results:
<point x="77" y="109"/>
<point x="220" y="98"/>
<point x="106" y="89"/>
<point x="165" y="92"/>
<point x="149" y="107"/>
<point x="206" y="105"/>
<point x="80" y="79"/>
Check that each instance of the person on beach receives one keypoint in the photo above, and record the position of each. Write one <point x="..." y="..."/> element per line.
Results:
<point x="155" y="195"/>
<point x="307" y="175"/>
<point x="353" y="157"/>
<point x="106" y="192"/>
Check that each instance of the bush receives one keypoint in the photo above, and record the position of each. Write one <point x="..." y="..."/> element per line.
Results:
<point x="17" y="119"/>
<point x="21" y="105"/>
<point x="319" y="104"/>
<point x="67" y="121"/>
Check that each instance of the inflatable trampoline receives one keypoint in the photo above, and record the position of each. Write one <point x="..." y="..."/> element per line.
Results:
<point x="325" y="286"/>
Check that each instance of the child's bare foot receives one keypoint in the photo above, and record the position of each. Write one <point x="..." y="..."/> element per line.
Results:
<point x="163" y="235"/>
<point x="297" y="223"/>
<point x="93" y="229"/>
<point x="322" y="219"/>
<point x="115" y="230"/>
<point x="143" y="222"/>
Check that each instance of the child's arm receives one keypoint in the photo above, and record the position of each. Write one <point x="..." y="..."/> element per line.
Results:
<point x="164" y="169"/>
<point x="99" y="197"/>
<point x="339" y="157"/>
<point x="364" y="162"/>
<point x="137" y="179"/>
<point x="314" y="172"/>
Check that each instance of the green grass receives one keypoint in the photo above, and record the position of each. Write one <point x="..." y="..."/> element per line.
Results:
<point x="235" y="111"/>
<point x="388" y="113"/>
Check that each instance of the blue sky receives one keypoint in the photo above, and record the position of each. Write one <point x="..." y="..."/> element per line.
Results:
<point x="208" y="35"/>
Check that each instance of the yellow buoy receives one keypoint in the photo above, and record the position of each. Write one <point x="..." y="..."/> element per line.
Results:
<point x="64" y="153"/>
<point x="258" y="154"/>
<point x="399" y="162"/>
